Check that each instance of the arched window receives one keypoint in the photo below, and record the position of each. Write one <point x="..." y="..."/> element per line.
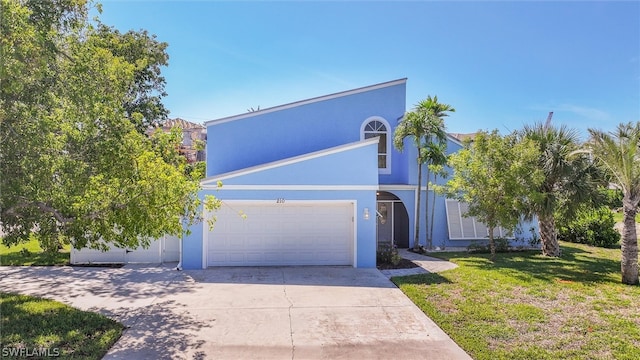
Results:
<point x="377" y="126"/>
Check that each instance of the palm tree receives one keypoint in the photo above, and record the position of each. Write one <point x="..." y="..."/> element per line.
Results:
<point x="423" y="124"/>
<point x="412" y="125"/>
<point x="567" y="179"/>
<point x="434" y="148"/>
<point x="618" y="153"/>
<point x="437" y="168"/>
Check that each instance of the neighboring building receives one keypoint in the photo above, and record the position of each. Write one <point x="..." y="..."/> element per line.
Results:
<point x="463" y="137"/>
<point x="191" y="133"/>
<point x="320" y="183"/>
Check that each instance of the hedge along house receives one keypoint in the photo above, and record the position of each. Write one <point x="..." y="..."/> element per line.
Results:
<point x="319" y="183"/>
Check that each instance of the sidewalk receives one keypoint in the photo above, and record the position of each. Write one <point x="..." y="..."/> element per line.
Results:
<point x="426" y="264"/>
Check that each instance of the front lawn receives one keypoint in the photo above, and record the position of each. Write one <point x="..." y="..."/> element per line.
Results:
<point x="52" y="329"/>
<point x="30" y="253"/>
<point x="526" y="306"/>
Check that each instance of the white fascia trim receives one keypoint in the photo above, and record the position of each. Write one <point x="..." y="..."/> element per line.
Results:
<point x="402" y="187"/>
<point x="287" y="202"/>
<point x="454" y="140"/>
<point x="396" y="187"/>
<point x="289" y="161"/>
<point x="293" y="187"/>
<point x="306" y="102"/>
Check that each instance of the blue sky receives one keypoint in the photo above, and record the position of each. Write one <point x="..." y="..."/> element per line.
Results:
<point x="500" y="64"/>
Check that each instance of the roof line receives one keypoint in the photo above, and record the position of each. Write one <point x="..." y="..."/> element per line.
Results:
<point x="289" y="161"/>
<point x="306" y="102"/>
<point x="454" y="139"/>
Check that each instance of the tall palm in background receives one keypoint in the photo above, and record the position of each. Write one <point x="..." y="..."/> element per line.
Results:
<point x="412" y="125"/>
<point x="424" y="125"/>
<point x="567" y="179"/>
<point x="618" y="153"/>
<point x="433" y="149"/>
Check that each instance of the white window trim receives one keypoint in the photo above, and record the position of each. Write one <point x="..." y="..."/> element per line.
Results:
<point x="387" y="169"/>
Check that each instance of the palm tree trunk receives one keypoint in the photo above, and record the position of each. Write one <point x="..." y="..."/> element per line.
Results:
<point x="433" y="211"/>
<point x="428" y="243"/>
<point x="416" y="240"/>
<point x="548" y="235"/>
<point x="629" y="247"/>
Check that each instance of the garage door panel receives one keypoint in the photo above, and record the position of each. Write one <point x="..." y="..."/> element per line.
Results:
<point x="290" y="242"/>
<point x="282" y="234"/>
<point x="165" y="249"/>
<point x="85" y="256"/>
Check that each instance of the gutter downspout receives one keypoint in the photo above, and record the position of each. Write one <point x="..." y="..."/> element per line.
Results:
<point x="179" y="267"/>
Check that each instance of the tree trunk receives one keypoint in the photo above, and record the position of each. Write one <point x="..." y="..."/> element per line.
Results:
<point x="416" y="240"/>
<point x="548" y="235"/>
<point x="492" y="244"/>
<point x="629" y="247"/>
<point x="433" y="211"/>
<point x="428" y="243"/>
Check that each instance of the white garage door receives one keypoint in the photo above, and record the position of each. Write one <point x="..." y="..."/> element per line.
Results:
<point x="292" y="233"/>
<point x="165" y="249"/>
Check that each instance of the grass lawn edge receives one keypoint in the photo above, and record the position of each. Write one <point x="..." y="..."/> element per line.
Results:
<point x="35" y="323"/>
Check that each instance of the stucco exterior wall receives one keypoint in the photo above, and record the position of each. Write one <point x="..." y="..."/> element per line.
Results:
<point x="269" y="136"/>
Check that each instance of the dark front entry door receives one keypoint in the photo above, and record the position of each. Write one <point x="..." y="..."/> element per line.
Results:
<point x="400" y="226"/>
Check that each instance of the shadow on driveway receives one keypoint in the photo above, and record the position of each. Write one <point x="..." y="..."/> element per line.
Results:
<point x="234" y="313"/>
<point x="123" y="286"/>
<point x="158" y="332"/>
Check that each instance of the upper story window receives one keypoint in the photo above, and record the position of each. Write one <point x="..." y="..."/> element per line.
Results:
<point x="377" y="126"/>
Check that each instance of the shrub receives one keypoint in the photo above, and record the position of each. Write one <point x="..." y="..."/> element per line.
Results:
<point x="593" y="227"/>
<point x="534" y="241"/>
<point x="475" y="247"/>
<point x="612" y="198"/>
<point x="502" y="246"/>
<point x="387" y="254"/>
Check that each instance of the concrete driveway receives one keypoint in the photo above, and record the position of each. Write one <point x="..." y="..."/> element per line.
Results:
<point x="245" y="313"/>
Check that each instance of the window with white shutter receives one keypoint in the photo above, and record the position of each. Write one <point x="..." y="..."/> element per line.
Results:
<point x="467" y="228"/>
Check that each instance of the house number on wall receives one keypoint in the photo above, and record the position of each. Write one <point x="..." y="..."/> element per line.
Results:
<point x="280" y="201"/>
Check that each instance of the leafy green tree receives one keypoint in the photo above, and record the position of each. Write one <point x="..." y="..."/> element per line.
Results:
<point x="493" y="174"/>
<point x="73" y="167"/>
<point x="569" y="179"/>
<point x="421" y="124"/>
<point x="143" y="100"/>
<point x="618" y="153"/>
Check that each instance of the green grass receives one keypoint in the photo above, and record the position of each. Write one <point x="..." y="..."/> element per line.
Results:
<point x="35" y="323"/>
<point x="33" y="255"/>
<point x="526" y="306"/>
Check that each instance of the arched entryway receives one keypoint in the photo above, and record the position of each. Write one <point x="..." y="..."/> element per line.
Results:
<point x="392" y="225"/>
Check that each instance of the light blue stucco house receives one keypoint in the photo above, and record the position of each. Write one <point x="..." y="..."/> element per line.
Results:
<point x="319" y="183"/>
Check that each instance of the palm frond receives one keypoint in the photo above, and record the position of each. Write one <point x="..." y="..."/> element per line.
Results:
<point x="618" y="152"/>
